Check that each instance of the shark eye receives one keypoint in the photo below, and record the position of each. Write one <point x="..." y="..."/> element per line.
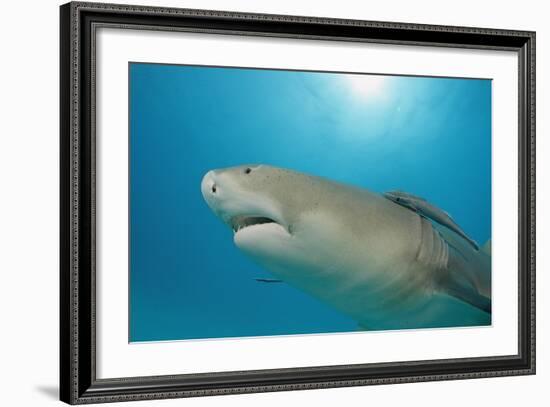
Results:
<point x="248" y="170"/>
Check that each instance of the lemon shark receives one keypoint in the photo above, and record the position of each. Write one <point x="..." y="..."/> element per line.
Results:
<point x="383" y="264"/>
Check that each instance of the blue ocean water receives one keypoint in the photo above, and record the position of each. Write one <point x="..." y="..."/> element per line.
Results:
<point x="428" y="136"/>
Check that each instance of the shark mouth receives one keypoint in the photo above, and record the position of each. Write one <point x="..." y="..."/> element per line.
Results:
<point x="242" y="222"/>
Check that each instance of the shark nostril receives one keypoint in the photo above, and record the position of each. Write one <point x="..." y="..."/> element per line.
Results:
<point x="214" y="188"/>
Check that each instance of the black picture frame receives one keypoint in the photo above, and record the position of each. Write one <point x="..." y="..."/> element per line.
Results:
<point x="78" y="382"/>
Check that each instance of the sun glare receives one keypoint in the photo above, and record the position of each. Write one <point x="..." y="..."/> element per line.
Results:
<point x="366" y="85"/>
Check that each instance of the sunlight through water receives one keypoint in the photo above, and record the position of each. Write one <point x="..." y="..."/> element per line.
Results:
<point x="367" y="85"/>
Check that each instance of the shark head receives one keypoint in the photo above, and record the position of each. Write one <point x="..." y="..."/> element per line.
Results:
<point x="250" y="200"/>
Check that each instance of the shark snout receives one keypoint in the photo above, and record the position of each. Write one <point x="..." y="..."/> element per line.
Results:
<point x="214" y="192"/>
<point x="234" y="201"/>
<point x="209" y="187"/>
<point x="220" y="193"/>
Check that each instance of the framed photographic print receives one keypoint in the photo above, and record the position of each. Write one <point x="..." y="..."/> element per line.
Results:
<point x="256" y="203"/>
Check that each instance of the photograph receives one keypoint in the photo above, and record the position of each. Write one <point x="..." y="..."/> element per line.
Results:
<point x="284" y="202"/>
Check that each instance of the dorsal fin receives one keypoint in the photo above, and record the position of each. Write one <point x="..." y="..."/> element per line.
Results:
<point x="427" y="210"/>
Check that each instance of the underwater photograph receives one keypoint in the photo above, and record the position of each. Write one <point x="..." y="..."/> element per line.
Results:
<point x="282" y="202"/>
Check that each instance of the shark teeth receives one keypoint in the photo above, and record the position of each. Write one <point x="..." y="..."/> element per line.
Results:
<point x="241" y="222"/>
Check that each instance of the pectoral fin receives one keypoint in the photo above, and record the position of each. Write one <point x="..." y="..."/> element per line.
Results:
<point x="429" y="211"/>
<point x="469" y="295"/>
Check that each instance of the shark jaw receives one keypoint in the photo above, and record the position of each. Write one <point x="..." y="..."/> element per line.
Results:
<point x="250" y="215"/>
<point x="240" y="222"/>
<point x="252" y="231"/>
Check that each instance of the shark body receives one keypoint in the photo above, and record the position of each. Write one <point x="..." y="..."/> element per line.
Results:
<point x="380" y="263"/>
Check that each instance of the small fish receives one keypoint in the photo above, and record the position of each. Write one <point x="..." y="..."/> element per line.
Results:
<point x="268" y="280"/>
